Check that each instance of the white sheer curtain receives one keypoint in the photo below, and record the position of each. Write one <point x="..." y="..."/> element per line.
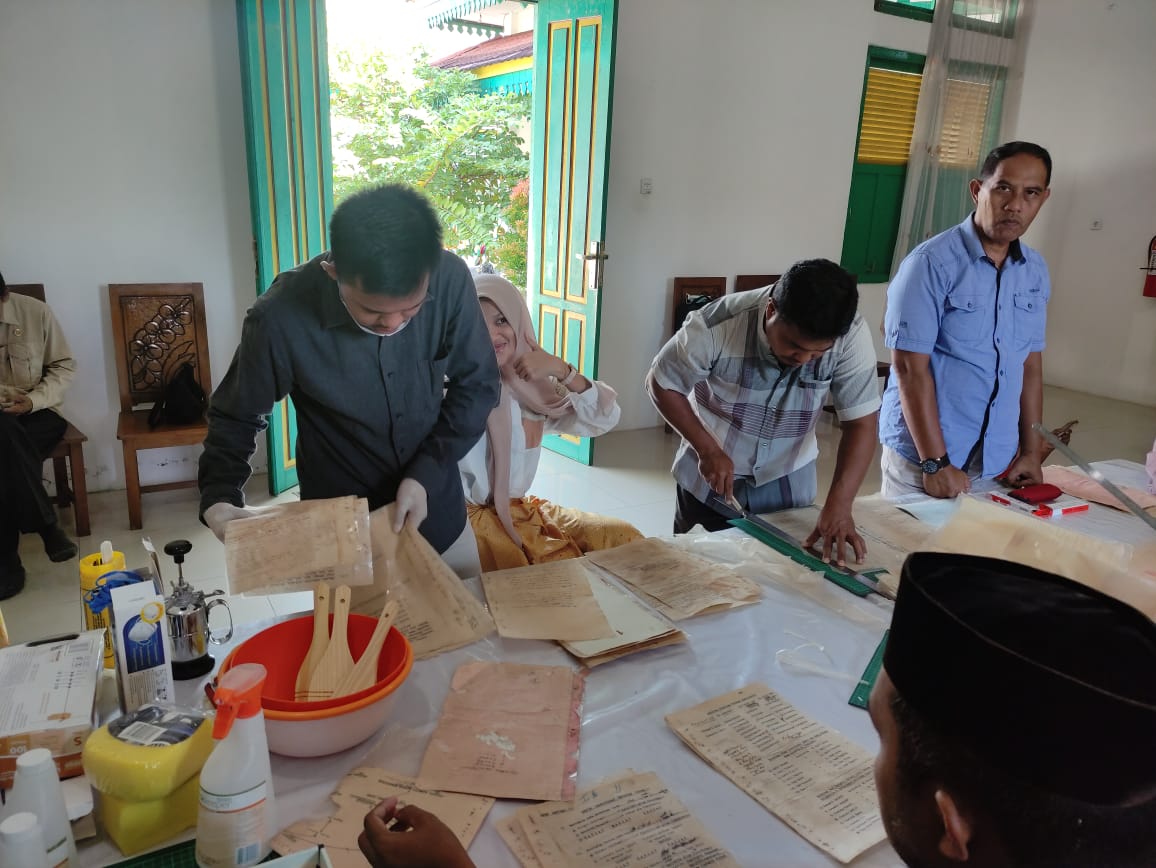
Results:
<point x="974" y="49"/>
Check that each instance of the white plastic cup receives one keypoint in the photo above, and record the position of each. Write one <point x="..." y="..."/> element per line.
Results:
<point x="36" y="789"/>
<point x="22" y="842"/>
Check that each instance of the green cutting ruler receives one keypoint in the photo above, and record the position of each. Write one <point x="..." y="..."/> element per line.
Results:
<point x="808" y="560"/>
<point x="862" y="691"/>
<point x="182" y="855"/>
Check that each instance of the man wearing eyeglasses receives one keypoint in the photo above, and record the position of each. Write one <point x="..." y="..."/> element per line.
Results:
<point x="381" y="344"/>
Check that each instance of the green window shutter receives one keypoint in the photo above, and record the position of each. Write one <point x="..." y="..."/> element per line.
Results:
<point x="888" y="117"/>
<point x="886" y="120"/>
<point x="872" y="221"/>
<point x="921" y="10"/>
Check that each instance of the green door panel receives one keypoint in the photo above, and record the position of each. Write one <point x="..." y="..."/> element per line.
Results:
<point x="570" y="147"/>
<point x="285" y="84"/>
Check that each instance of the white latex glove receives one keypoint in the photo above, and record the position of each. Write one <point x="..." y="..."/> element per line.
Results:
<point x="220" y="514"/>
<point x="411" y="505"/>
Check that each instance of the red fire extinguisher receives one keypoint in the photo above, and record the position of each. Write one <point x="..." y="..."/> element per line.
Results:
<point x="1150" y="278"/>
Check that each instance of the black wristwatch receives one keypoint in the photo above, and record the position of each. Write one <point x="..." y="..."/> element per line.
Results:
<point x="931" y="466"/>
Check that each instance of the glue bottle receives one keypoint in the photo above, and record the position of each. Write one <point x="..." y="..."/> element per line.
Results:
<point x="236" y="821"/>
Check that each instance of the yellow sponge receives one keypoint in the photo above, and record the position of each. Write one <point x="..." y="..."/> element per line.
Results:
<point x="136" y="826"/>
<point x="149" y="754"/>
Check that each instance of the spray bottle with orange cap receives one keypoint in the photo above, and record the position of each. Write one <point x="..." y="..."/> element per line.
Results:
<point x="236" y="820"/>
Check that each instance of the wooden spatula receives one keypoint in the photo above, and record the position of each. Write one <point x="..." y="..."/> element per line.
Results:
<point x="364" y="672"/>
<point x="336" y="663"/>
<point x="318" y="645"/>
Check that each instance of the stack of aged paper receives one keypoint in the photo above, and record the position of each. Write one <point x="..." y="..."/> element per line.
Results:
<point x="636" y="626"/>
<point x="680" y="585"/>
<point x="293" y="546"/>
<point x="809" y="776"/>
<point x="438" y="613"/>
<point x="545" y="601"/>
<point x="360" y="791"/>
<point x="630" y="819"/>
<point x="507" y="730"/>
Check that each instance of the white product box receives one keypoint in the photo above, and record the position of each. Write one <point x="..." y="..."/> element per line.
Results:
<point x="140" y="638"/>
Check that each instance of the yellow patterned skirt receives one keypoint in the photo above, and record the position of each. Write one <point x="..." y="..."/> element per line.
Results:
<point x="549" y="533"/>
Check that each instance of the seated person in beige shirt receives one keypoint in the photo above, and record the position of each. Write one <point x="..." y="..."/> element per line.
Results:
<point x="36" y="367"/>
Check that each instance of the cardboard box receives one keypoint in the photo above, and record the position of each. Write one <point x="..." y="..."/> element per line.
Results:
<point x="49" y="689"/>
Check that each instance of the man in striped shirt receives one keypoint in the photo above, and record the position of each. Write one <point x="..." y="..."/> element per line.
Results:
<point x="744" y="382"/>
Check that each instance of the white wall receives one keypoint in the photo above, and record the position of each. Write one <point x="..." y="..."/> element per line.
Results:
<point x="1089" y="97"/>
<point x="122" y="160"/>
<point x="744" y="115"/>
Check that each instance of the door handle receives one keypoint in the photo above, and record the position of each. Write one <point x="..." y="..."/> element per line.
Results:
<point x="596" y="255"/>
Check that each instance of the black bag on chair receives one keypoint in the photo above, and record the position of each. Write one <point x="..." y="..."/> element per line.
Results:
<point x="183" y="400"/>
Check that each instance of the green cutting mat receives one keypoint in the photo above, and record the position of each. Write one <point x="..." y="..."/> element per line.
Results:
<point x="862" y="691"/>
<point x="808" y="560"/>
<point x="181" y="855"/>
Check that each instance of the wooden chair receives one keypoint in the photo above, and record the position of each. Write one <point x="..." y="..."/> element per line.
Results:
<point x="691" y="293"/>
<point x="68" y="456"/>
<point x="747" y="282"/>
<point x="156" y="327"/>
<point x="689" y="289"/>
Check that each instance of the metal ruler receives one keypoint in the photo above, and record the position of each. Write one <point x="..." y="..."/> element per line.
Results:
<point x="859" y="583"/>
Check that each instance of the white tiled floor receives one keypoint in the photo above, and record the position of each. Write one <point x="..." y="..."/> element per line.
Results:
<point x="631" y="481"/>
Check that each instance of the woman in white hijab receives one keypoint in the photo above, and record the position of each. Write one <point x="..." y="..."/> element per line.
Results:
<point x="541" y="394"/>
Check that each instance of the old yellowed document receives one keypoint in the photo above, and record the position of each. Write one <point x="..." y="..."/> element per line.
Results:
<point x="983" y="528"/>
<point x="636" y="626"/>
<point x="812" y="778"/>
<point x="511" y="831"/>
<point x="627" y="821"/>
<point x="545" y="849"/>
<point x="293" y="546"/>
<point x="680" y="585"/>
<point x="438" y="613"/>
<point x="361" y="790"/>
<point x="545" y="601"/>
<point x="514" y="837"/>
<point x="507" y="730"/>
<point x="1115" y="568"/>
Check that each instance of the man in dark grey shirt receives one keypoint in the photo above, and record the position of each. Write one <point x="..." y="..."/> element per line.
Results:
<point x="382" y="347"/>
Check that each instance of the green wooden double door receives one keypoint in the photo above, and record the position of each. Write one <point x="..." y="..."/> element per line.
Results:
<point x="286" y="99"/>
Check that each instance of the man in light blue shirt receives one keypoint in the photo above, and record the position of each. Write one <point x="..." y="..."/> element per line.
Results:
<point x="965" y="323"/>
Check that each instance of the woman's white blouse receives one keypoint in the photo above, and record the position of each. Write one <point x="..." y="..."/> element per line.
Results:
<point x="592" y="412"/>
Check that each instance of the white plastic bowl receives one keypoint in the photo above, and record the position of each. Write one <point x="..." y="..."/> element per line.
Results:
<point x="322" y="736"/>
